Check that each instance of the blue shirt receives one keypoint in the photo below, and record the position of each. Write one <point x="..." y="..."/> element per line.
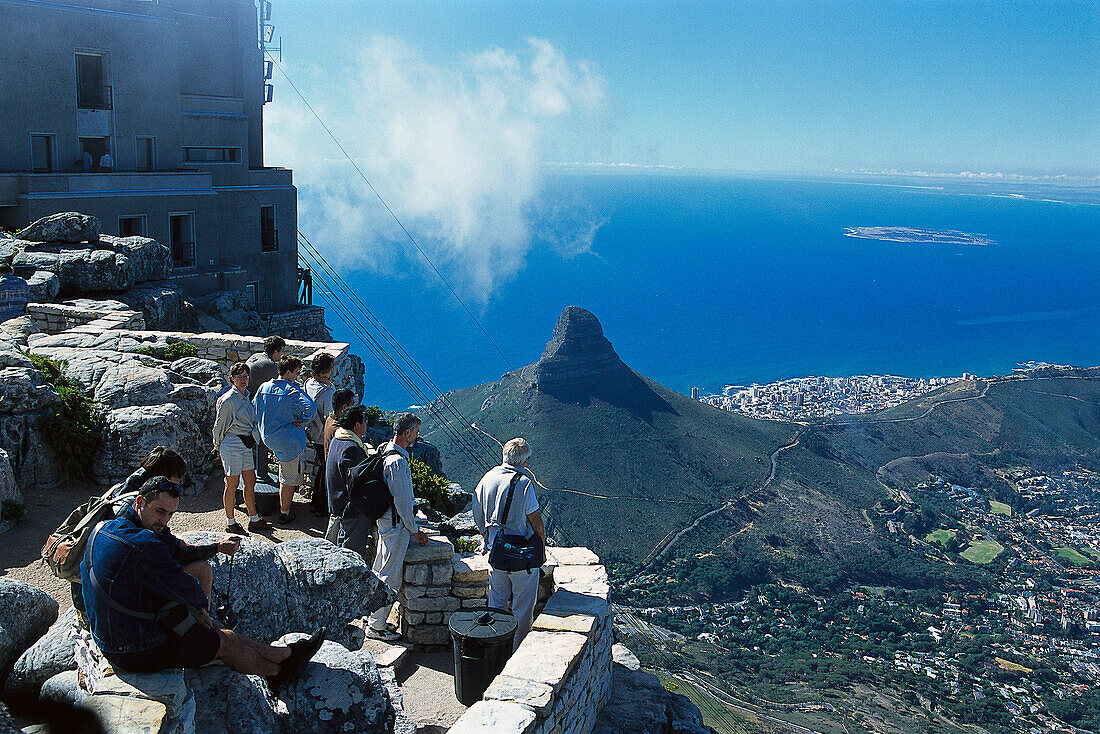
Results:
<point x="142" y="571"/>
<point x="14" y="295"/>
<point x="280" y="404"/>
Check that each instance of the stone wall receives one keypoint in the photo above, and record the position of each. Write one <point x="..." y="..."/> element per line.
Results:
<point x="54" y="318"/>
<point x="559" y="679"/>
<point x="302" y="323"/>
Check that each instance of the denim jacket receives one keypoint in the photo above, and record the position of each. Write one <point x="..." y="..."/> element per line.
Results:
<point x="141" y="571"/>
<point x="279" y="405"/>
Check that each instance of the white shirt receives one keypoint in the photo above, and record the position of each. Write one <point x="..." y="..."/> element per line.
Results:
<point x="398" y="476"/>
<point x="106" y="161"/>
<point x="492" y="494"/>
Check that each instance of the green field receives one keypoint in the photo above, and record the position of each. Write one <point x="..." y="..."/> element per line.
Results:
<point x="939" y="535"/>
<point x="1000" y="508"/>
<point x="982" y="551"/>
<point x="720" y="718"/>
<point x="1070" y="555"/>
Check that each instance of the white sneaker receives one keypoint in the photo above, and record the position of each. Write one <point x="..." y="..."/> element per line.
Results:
<point x="384" y="635"/>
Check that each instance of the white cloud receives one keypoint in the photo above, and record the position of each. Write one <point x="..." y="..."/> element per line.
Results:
<point x="456" y="151"/>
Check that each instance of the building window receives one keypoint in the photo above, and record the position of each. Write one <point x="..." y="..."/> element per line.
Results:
<point x="269" y="236"/>
<point x="252" y="291"/>
<point x="92" y="91"/>
<point x="181" y="236"/>
<point x="132" y="226"/>
<point x="211" y="155"/>
<point x="42" y="153"/>
<point x="146" y="159"/>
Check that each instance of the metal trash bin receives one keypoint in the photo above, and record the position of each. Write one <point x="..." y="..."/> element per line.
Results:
<point x="482" y="643"/>
<point x="267" y="499"/>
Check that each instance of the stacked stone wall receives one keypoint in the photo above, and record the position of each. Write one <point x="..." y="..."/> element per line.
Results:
<point x="437" y="583"/>
<point x="303" y="323"/>
<point x="559" y="679"/>
<point x="54" y="318"/>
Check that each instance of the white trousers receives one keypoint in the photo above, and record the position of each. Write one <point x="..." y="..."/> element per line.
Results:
<point x="515" y="591"/>
<point x="389" y="563"/>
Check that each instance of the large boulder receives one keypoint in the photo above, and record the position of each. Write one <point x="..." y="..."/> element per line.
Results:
<point x="228" y="702"/>
<point x="133" y="432"/>
<point x="234" y="309"/>
<point x="132" y="384"/>
<point x="24" y="398"/>
<point x="112" y="264"/>
<point x="43" y="286"/>
<point x="337" y="691"/>
<point x="295" y="586"/>
<point x="199" y="370"/>
<point x="161" y="304"/>
<point x="15" y="332"/>
<point x="26" y="612"/>
<point x="639" y="704"/>
<point x="62" y="227"/>
<point x="51" y="655"/>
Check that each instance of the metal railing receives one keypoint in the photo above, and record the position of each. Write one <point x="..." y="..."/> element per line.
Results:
<point x="269" y="240"/>
<point x="305" y="286"/>
<point x="94" y="97"/>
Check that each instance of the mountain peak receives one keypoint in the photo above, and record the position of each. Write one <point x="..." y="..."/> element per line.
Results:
<point x="578" y="353"/>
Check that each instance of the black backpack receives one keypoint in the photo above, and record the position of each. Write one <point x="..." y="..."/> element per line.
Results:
<point x="367" y="489"/>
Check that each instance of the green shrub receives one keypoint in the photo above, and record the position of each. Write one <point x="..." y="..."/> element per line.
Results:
<point x="147" y="351"/>
<point x="429" y="485"/>
<point x="12" y="510"/>
<point x="466" y="544"/>
<point x="374" y="414"/>
<point x="74" y="429"/>
<point x="179" y="350"/>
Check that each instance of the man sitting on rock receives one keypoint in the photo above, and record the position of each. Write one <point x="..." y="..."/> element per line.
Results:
<point x="146" y="595"/>
<point x="283" y="410"/>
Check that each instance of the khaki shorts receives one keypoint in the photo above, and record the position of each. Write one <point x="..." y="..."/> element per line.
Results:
<point x="236" y="459"/>
<point x="290" y="472"/>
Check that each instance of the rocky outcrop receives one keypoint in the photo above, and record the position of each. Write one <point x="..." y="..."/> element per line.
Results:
<point x="9" y="491"/>
<point x="112" y="264"/>
<point x="43" y="285"/>
<point x="26" y="612"/>
<point x="295" y="586"/>
<point x="50" y="656"/>
<point x="24" y="398"/>
<point x="639" y="704"/>
<point x="70" y="227"/>
<point x="338" y="690"/>
<point x="163" y="307"/>
<point x="578" y="352"/>
<point x="228" y="702"/>
<point x="234" y="309"/>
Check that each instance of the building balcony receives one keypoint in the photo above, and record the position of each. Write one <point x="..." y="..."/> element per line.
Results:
<point x="94" y="97"/>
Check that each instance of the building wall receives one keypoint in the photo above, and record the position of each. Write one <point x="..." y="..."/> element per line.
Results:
<point x="188" y="73"/>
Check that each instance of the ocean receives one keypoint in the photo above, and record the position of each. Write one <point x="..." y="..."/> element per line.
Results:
<point x="703" y="281"/>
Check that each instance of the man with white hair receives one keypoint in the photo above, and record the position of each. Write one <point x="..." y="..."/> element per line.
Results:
<point x="515" y="591"/>
<point x="398" y="526"/>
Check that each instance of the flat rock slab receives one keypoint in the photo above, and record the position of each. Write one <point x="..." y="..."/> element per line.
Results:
<point x="494" y="717"/>
<point x="437" y="549"/>
<point x="386" y="654"/>
<point x="537" y="696"/>
<point x="470" y="568"/>
<point x="546" y="657"/>
<point x="578" y="556"/>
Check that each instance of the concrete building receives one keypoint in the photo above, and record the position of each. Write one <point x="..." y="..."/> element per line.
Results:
<point x="174" y="91"/>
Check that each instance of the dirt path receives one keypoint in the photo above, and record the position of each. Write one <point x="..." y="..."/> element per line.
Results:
<point x="20" y="546"/>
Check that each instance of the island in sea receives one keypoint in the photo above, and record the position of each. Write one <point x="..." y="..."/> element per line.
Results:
<point x="914" y="234"/>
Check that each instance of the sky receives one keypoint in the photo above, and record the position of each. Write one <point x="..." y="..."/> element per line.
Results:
<point x="779" y="86"/>
<point x="455" y="112"/>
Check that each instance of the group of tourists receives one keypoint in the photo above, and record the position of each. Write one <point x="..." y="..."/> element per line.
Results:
<point x="146" y="594"/>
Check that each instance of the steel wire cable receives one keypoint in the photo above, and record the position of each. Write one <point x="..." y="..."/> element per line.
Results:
<point x="388" y="360"/>
<point x="390" y="211"/>
<point x="380" y="353"/>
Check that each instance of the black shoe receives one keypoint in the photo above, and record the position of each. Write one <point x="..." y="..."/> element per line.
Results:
<point x="236" y="529"/>
<point x="285" y="518"/>
<point x="256" y="526"/>
<point x="300" y="654"/>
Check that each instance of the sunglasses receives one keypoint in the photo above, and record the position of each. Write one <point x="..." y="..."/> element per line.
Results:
<point x="168" y="487"/>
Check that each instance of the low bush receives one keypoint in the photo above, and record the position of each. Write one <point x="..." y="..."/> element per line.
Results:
<point x="74" y="429"/>
<point x="429" y="485"/>
<point x="374" y="414"/>
<point x="147" y="351"/>
<point x="179" y="350"/>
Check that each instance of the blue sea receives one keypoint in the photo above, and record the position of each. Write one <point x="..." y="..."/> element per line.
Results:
<point x="703" y="281"/>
